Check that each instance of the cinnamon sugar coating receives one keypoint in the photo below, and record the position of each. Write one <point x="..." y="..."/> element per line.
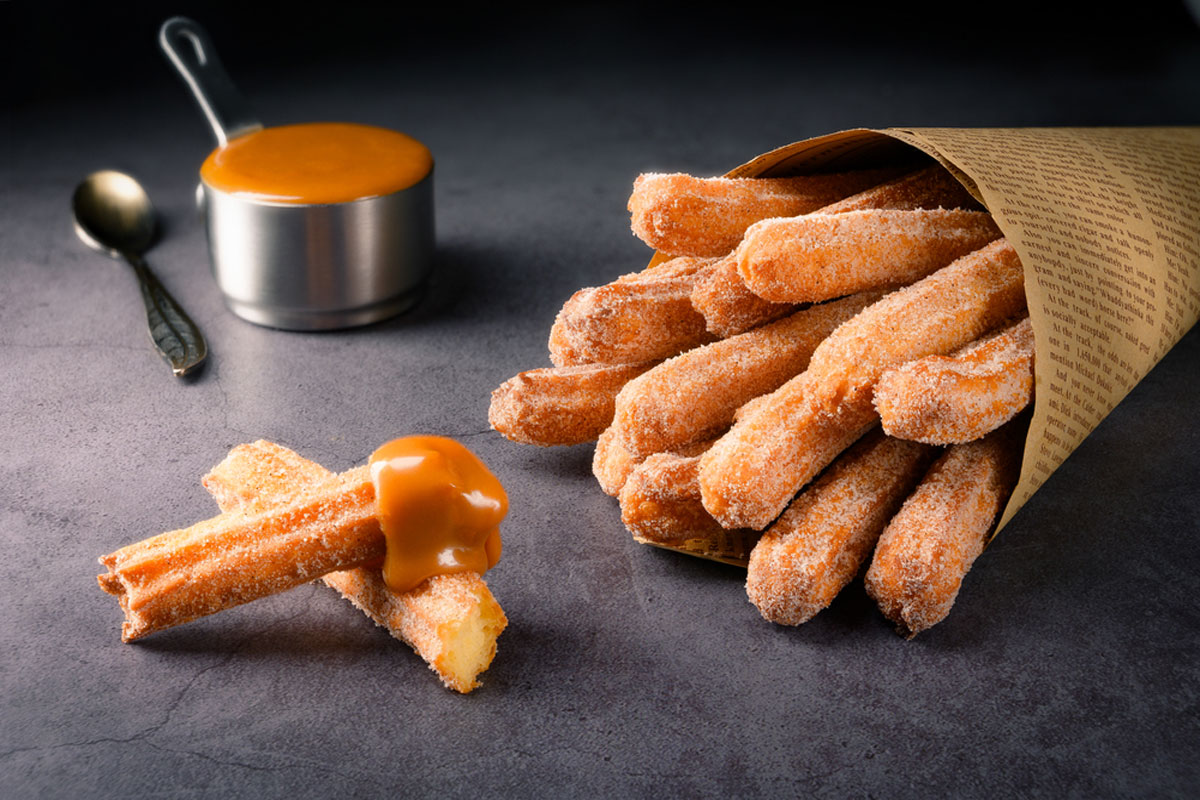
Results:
<point x="694" y="395"/>
<point x="820" y="256"/>
<point x="730" y="307"/>
<point x="938" y="314"/>
<point x="818" y="544"/>
<point x="929" y="546"/>
<point x="643" y="316"/>
<point x="684" y="215"/>
<point x="776" y="447"/>
<point x="559" y="405"/>
<point x="234" y="558"/>
<point x="959" y="398"/>
<point x="660" y="501"/>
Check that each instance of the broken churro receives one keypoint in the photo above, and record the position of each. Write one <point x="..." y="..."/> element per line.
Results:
<point x="816" y="547"/>
<point x="683" y="215"/>
<point x="962" y="397"/>
<point x="560" y="405"/>
<point x="451" y="621"/>
<point x="424" y="505"/>
<point x="931" y="543"/>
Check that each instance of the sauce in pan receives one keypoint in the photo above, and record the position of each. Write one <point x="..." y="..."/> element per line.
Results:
<point x="318" y="163"/>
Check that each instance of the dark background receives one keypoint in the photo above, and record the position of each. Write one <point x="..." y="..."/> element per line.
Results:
<point x="1067" y="668"/>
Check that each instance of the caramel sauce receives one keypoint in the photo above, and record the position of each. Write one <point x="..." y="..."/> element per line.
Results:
<point x="317" y="162"/>
<point x="440" y="509"/>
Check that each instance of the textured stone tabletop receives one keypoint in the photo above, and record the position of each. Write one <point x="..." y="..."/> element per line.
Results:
<point x="1067" y="668"/>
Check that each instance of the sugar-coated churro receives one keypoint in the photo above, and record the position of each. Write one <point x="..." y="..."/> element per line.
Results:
<point x="451" y="621"/>
<point x="818" y="544"/>
<point x="819" y="256"/>
<point x="684" y="215"/>
<point x="730" y="307"/>
<point x="938" y="314"/>
<point x="660" y="501"/>
<point x="234" y="558"/>
<point x="931" y="187"/>
<point x="727" y="304"/>
<point x="777" y="446"/>
<point x="560" y="405"/>
<point x="694" y="395"/>
<point x="643" y="316"/>
<point x="612" y="463"/>
<point x="959" y="398"/>
<point x="931" y="543"/>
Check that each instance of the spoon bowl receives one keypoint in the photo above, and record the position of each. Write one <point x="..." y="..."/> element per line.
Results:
<point x="113" y="214"/>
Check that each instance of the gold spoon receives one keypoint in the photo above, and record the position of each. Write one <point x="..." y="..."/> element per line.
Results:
<point x="113" y="214"/>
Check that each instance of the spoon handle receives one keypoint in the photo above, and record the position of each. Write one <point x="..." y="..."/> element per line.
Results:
<point x="176" y="337"/>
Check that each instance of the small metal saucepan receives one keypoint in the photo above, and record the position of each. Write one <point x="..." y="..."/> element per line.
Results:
<point x="297" y="263"/>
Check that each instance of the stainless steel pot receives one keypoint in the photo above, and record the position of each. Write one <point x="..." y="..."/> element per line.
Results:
<point x="301" y="266"/>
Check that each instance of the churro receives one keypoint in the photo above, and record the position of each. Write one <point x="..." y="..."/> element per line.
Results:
<point x="612" y="463"/>
<point x="335" y="523"/>
<point x="821" y="256"/>
<point x="560" y="405"/>
<point x="643" y="316"/>
<point x="451" y="621"/>
<point x="931" y="187"/>
<point x="694" y="395"/>
<point x="962" y="397"/>
<point x="931" y="543"/>
<point x="727" y="304"/>
<point x="234" y="558"/>
<point x="660" y="501"/>
<point x="730" y="307"/>
<point x="777" y="446"/>
<point x="938" y="314"/>
<point x="684" y="215"/>
<point x="818" y="544"/>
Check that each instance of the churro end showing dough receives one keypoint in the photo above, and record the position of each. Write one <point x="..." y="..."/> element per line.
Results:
<point x="963" y="397"/>
<point x="685" y="215"/>
<point x="643" y="316"/>
<point x="452" y="621"/>
<point x="818" y="544"/>
<point x="559" y="405"/>
<point x="929" y="546"/>
<point x="820" y="256"/>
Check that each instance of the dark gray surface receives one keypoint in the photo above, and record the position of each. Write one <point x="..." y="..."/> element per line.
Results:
<point x="1067" y="668"/>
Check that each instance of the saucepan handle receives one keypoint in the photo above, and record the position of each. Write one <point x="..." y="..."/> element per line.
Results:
<point x="191" y="52"/>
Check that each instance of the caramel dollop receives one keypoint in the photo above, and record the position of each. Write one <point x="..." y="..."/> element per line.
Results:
<point x="439" y="507"/>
